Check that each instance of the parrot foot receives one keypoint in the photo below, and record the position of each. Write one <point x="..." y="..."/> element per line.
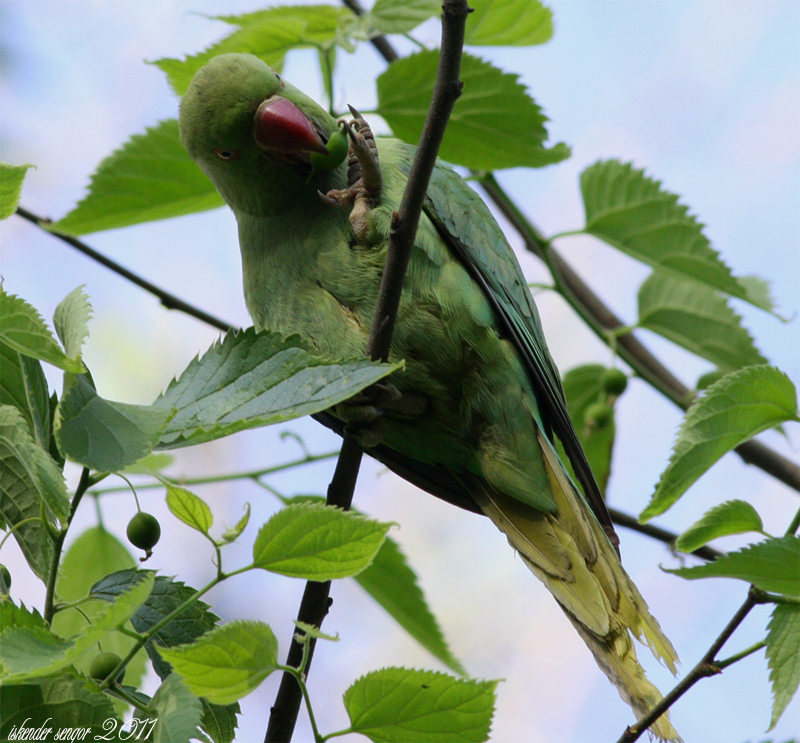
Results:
<point x="362" y="413"/>
<point x="363" y="176"/>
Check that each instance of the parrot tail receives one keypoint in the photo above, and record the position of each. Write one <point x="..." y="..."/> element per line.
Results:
<point x="569" y="552"/>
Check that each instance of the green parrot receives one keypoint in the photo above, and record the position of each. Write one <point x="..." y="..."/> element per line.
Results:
<point x="480" y="399"/>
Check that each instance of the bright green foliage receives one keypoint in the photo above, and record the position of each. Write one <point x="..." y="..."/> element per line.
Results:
<point x="495" y="124"/>
<point x="227" y="663"/>
<point x="93" y="555"/>
<point x="508" y="23"/>
<point x="150" y="177"/>
<point x="731" y="517"/>
<point x="251" y="379"/>
<point x="400" y="16"/>
<point x="71" y="320"/>
<point x="269" y="34"/>
<point x="64" y="701"/>
<point x="783" y="655"/>
<point x="732" y="411"/>
<point x="11" y="177"/>
<point x="178" y="712"/>
<point x="230" y="535"/>
<point x="391" y="581"/>
<point x="317" y="542"/>
<point x="632" y="212"/>
<point x="24" y="386"/>
<point x="189" y="508"/>
<point x="22" y="328"/>
<point x="398" y="705"/>
<point x="12" y="615"/>
<point x="103" y="435"/>
<point x="697" y="318"/>
<point x="771" y="565"/>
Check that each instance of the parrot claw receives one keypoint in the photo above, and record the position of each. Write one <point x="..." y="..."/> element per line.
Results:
<point x="364" y="178"/>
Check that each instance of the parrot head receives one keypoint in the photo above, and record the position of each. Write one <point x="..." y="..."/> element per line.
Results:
<point x="250" y="131"/>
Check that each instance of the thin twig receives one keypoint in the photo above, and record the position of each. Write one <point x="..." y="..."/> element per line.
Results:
<point x="316" y="601"/>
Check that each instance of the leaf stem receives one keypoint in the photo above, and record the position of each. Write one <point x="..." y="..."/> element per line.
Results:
<point x="722" y="664"/>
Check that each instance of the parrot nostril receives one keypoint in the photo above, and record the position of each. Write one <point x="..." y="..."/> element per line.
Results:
<point x="224" y="154"/>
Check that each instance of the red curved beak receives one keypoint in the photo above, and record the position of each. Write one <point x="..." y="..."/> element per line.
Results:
<point x="282" y="127"/>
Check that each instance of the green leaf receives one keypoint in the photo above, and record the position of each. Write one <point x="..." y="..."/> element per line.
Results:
<point x="508" y="23"/>
<point x="71" y="321"/>
<point x="698" y="319"/>
<point x="317" y="542"/>
<point x="398" y="705"/>
<point x="232" y="534"/>
<point x="583" y="387"/>
<point x="22" y="328"/>
<point x="28" y="478"/>
<point x="732" y="410"/>
<point x="393" y="584"/>
<point x="731" y="517"/>
<point x="150" y="177"/>
<point x="61" y="702"/>
<point x="178" y="712"/>
<point x="103" y="435"/>
<point x="495" y="123"/>
<point x="783" y="656"/>
<point x="269" y="34"/>
<point x="12" y="615"/>
<point x="227" y="663"/>
<point x="218" y="721"/>
<point x="401" y="16"/>
<point x="11" y="177"/>
<point x="251" y="379"/>
<point x="27" y="653"/>
<point x="636" y="215"/>
<point x="24" y="386"/>
<point x="93" y="555"/>
<point x="150" y="464"/>
<point x="189" y="508"/>
<point x="771" y="565"/>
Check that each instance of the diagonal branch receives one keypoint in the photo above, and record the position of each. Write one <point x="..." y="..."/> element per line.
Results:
<point x="316" y="602"/>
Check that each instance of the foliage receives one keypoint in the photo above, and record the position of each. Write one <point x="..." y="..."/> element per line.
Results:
<point x="249" y="379"/>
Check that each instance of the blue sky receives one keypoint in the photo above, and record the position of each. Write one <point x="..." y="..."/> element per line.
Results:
<point x="704" y="94"/>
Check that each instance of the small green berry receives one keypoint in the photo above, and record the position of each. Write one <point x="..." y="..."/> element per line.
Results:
<point x="614" y="382"/>
<point x="708" y="379"/>
<point x="144" y="531"/>
<point x="598" y="415"/>
<point x="103" y="664"/>
<point x="338" y="147"/>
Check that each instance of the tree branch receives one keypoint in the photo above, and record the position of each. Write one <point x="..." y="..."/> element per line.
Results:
<point x="315" y="603"/>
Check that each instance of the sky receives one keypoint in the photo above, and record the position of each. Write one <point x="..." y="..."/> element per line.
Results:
<point x="703" y="94"/>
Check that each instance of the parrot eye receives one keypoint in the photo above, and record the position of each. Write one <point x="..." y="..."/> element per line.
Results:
<point x="224" y="154"/>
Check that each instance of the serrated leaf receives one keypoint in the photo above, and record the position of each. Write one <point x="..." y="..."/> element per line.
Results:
<point x="317" y="542"/>
<point x="401" y="16"/>
<point x="103" y="435"/>
<point x="28" y="478"/>
<point x="393" y="584"/>
<point x="583" y="386"/>
<point x="189" y="508"/>
<point x="24" y="386"/>
<point x="698" y="319"/>
<point x="495" y="124"/>
<point x="731" y="517"/>
<point x="32" y="653"/>
<point x="398" y="705"/>
<point x="11" y="177"/>
<point x="66" y="701"/>
<point x="227" y="663"/>
<point x="23" y="328"/>
<point x="150" y="177"/>
<point x="178" y="712"/>
<point x="269" y="34"/>
<point x="783" y="656"/>
<point x="251" y="379"/>
<point x="632" y="212"/>
<point x="12" y="615"/>
<point x="508" y="23"/>
<point x="219" y="722"/>
<point x="71" y="321"/>
<point x="93" y="555"/>
<point x="732" y="410"/>
<point x="771" y="565"/>
<point x="232" y="534"/>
